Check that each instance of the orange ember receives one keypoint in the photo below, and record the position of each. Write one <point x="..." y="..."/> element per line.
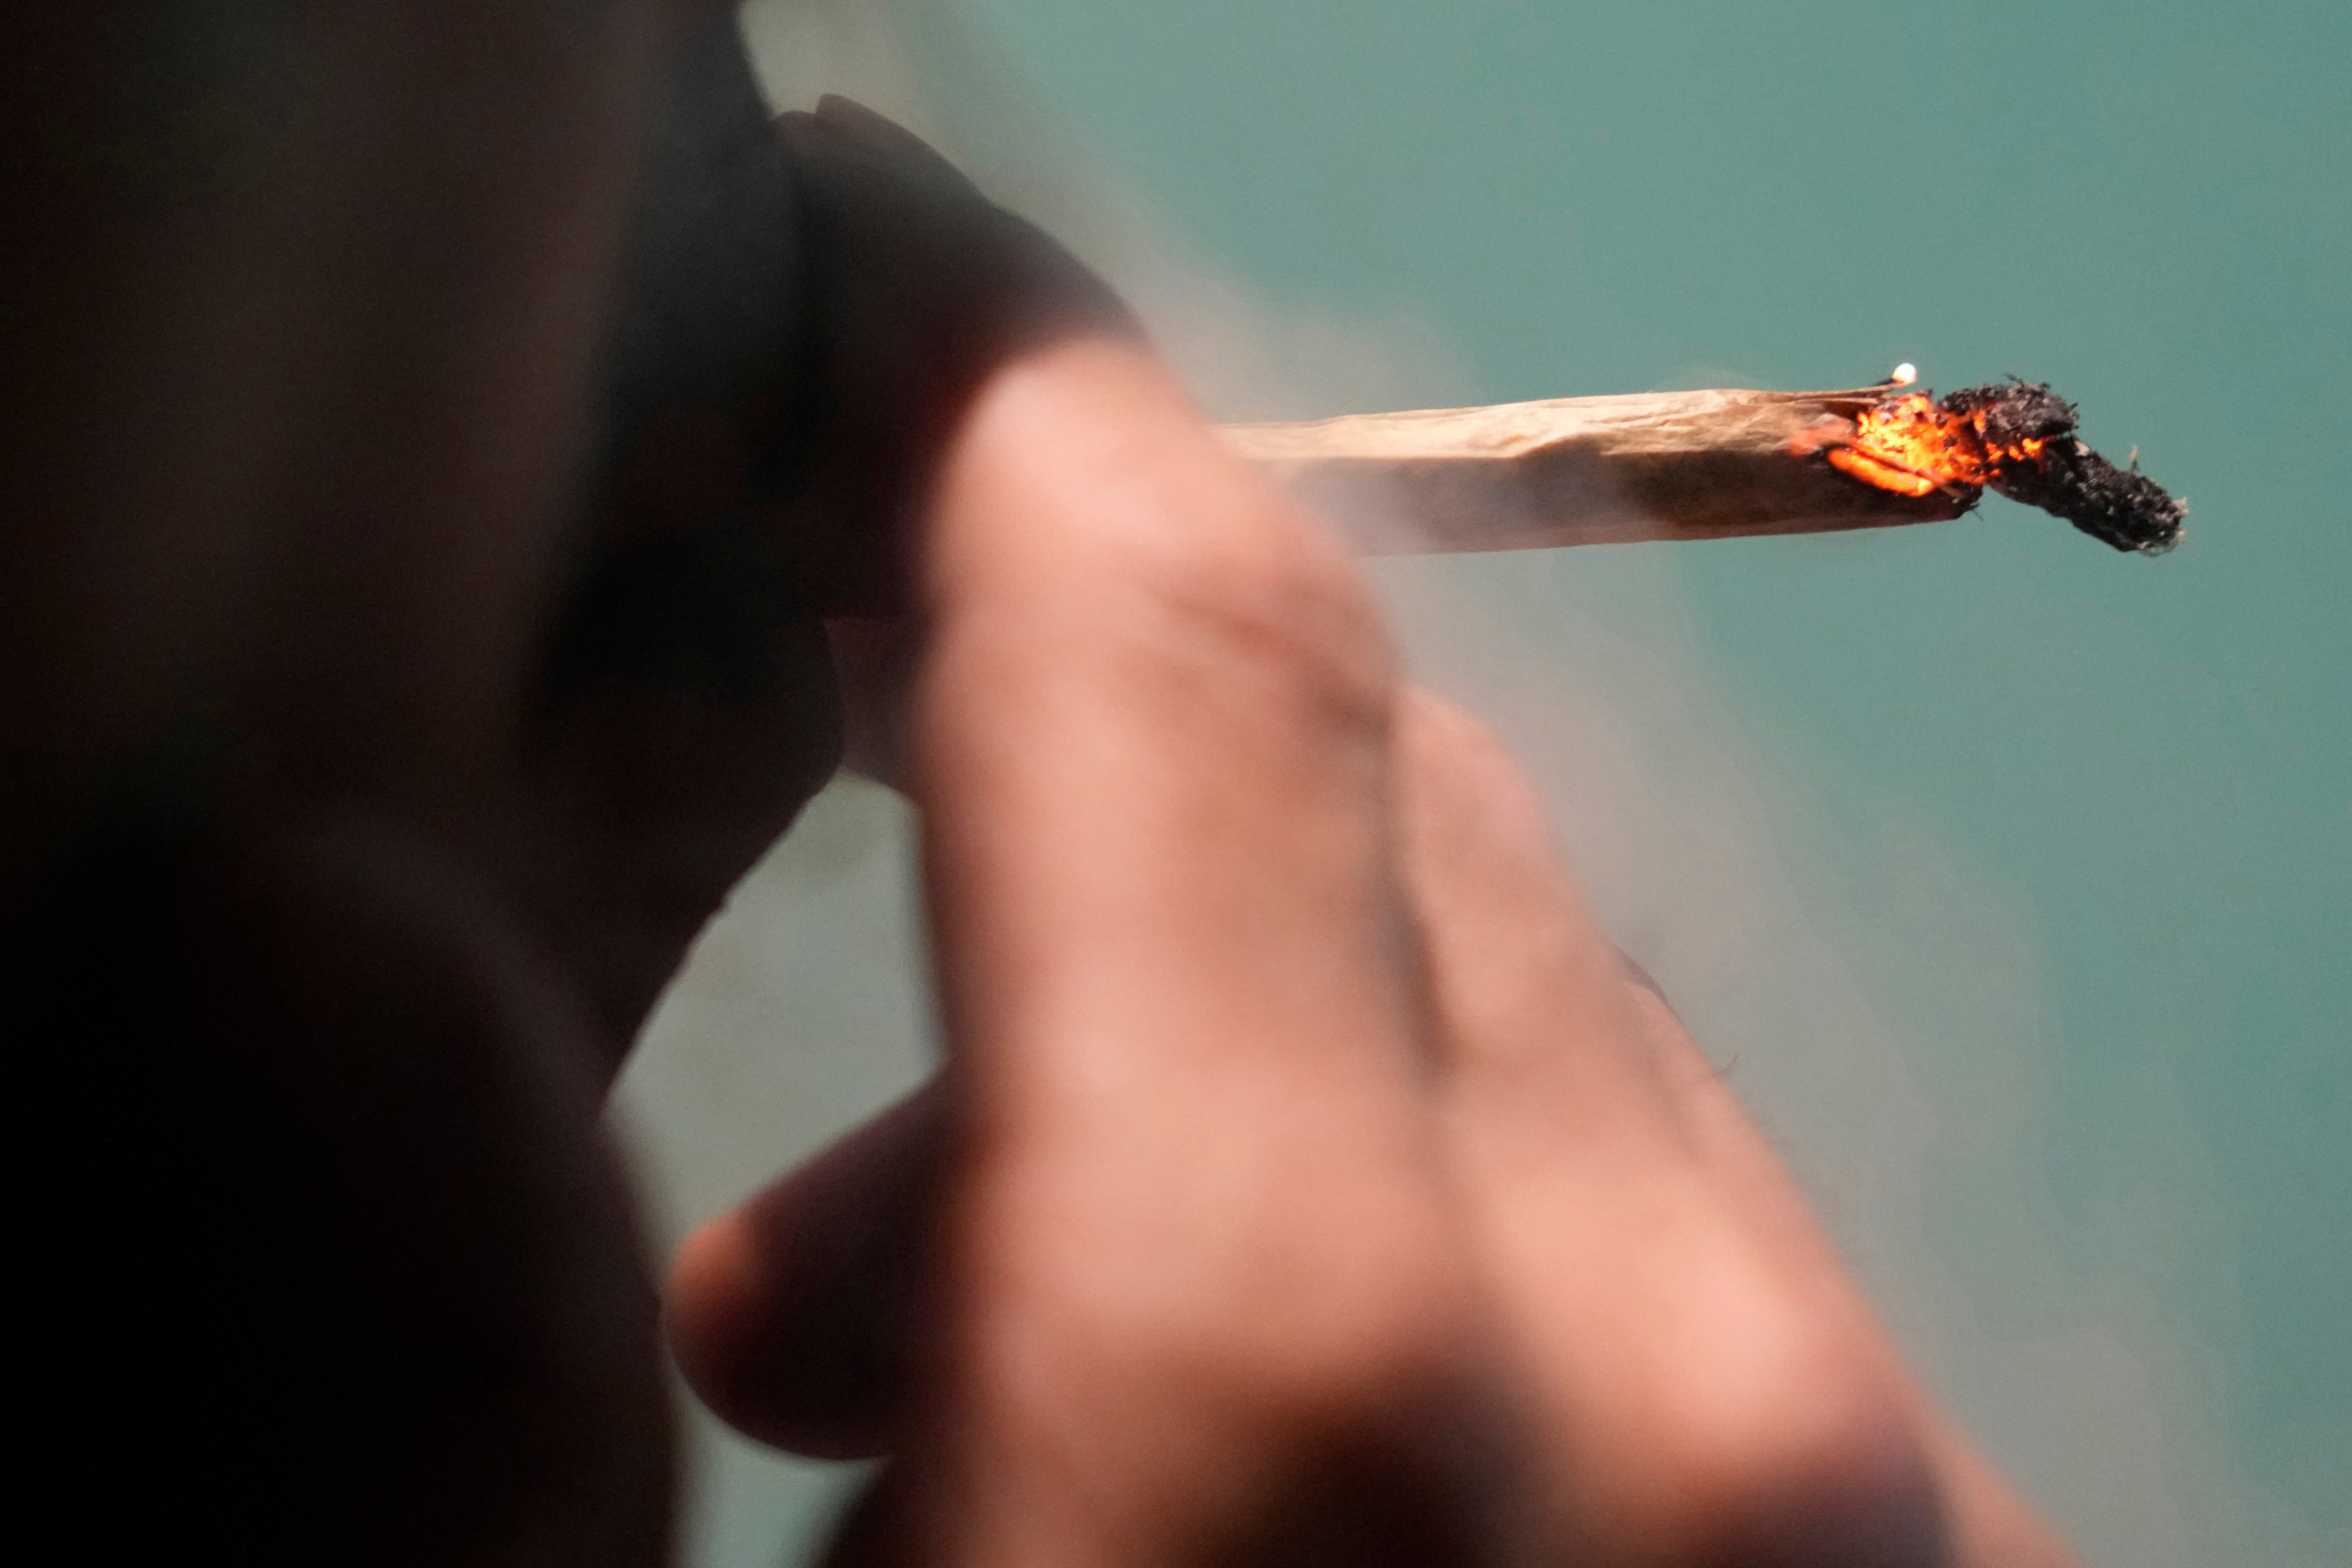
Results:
<point x="2017" y="439"/>
<point x="1912" y="445"/>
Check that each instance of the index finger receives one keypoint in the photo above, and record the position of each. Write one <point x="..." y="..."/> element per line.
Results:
<point x="1149" y="739"/>
<point x="1150" y="736"/>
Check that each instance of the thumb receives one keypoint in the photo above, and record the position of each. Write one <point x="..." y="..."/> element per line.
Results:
<point x="797" y="1317"/>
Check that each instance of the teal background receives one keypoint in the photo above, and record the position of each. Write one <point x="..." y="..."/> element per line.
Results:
<point x="2072" y="831"/>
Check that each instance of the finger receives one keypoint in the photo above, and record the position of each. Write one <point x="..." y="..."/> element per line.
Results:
<point x="797" y="1315"/>
<point x="1530" y="995"/>
<point x="1708" y="1385"/>
<point x="1151" y="732"/>
<point x="918" y="289"/>
<point x="1720" y="1134"/>
<point x="1547" y="1026"/>
<point x="883" y="138"/>
<point x="1983" y="1521"/>
<point x="1151" y="742"/>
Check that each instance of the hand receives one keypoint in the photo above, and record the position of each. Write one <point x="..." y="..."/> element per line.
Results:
<point x="767" y="453"/>
<point x="917" y="288"/>
<point x="1308" y="1179"/>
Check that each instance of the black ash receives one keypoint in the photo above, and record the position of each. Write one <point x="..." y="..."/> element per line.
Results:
<point x="2032" y="454"/>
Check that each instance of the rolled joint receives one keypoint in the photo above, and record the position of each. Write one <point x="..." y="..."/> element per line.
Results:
<point x="1719" y="464"/>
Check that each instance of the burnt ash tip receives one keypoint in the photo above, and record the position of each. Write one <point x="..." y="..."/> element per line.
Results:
<point x="2013" y="412"/>
<point x="2063" y="475"/>
<point x="2119" y="507"/>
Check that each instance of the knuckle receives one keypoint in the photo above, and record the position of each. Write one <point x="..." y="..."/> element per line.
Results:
<point x="1472" y="803"/>
<point x="1818" y="1462"/>
<point x="1851" y="1486"/>
<point x="1316" y="1317"/>
<point x="1273" y="608"/>
<point x="1366" y="1317"/>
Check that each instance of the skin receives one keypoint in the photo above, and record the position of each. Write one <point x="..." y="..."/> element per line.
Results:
<point x="1307" y="1180"/>
<point x="1307" y="1177"/>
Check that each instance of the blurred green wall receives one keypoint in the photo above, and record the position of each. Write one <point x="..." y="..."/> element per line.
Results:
<point x="2067" y="834"/>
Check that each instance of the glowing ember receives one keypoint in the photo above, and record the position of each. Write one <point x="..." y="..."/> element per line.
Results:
<point x="2017" y="440"/>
